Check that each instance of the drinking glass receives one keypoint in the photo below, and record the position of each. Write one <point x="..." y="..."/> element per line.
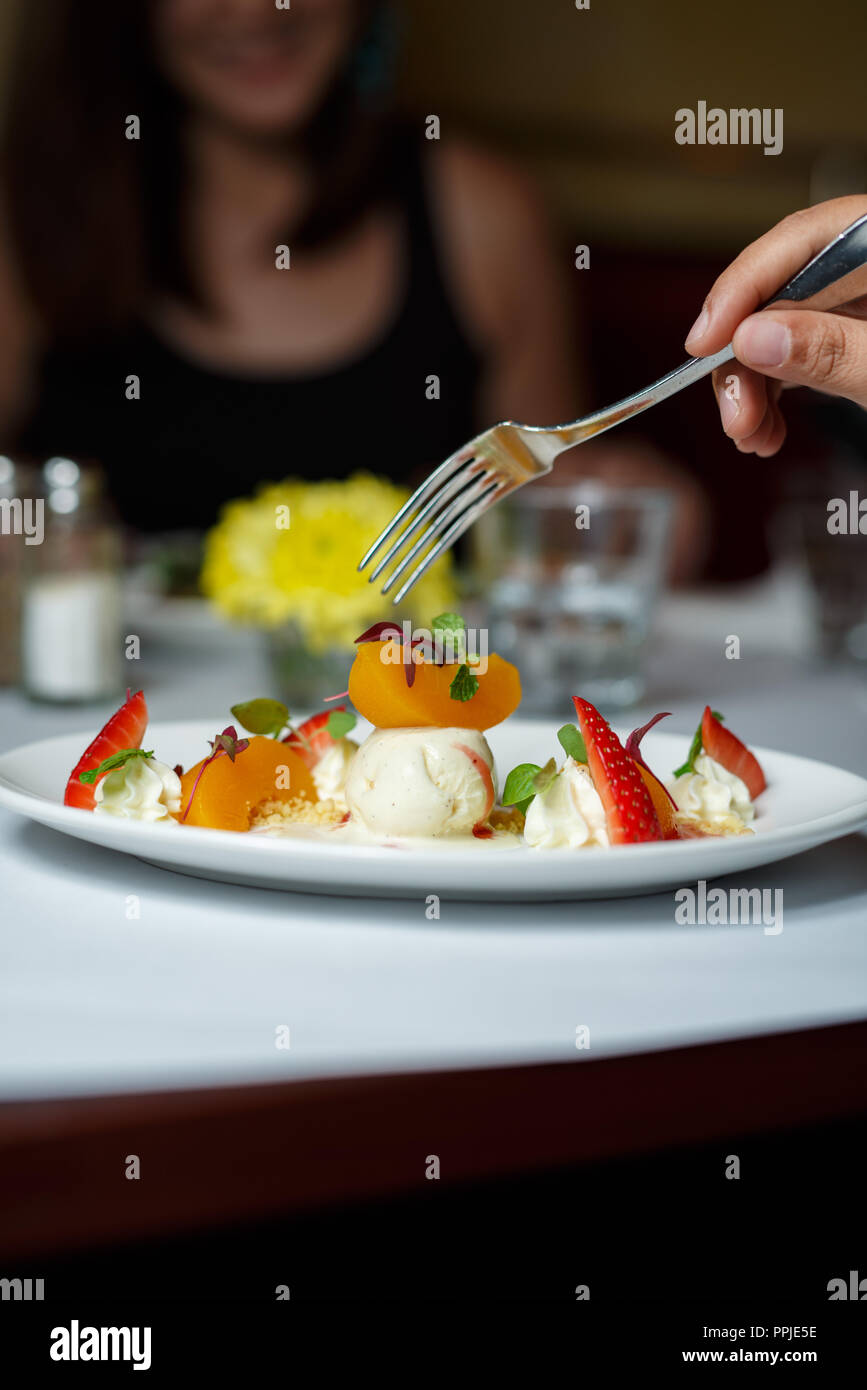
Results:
<point x="571" y="576"/>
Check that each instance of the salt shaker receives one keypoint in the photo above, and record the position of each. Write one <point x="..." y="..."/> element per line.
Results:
<point x="16" y="511"/>
<point x="71" y="641"/>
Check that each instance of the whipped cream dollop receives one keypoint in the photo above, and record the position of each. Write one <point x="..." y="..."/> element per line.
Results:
<point x="143" y="789"/>
<point x="712" y="793"/>
<point x="568" y="813"/>
<point x="421" y="781"/>
<point x="329" y="774"/>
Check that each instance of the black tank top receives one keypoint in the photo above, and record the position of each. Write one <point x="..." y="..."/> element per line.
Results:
<point x="199" y="436"/>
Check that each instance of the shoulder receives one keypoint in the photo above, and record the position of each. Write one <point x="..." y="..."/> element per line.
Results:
<point x="493" y="230"/>
<point x="488" y="182"/>
<point x="485" y="198"/>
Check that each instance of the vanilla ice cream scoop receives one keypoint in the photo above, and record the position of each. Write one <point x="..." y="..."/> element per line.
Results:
<point x="421" y="781"/>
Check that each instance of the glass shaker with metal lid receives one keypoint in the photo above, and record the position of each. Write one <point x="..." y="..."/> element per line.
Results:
<point x="20" y="528"/>
<point x="71" y="641"/>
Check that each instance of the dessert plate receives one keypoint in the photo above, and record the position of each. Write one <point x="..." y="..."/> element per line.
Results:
<point x="806" y="804"/>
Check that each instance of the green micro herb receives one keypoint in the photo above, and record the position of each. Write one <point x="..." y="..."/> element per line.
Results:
<point x="464" y="685"/>
<point x="572" y="743"/>
<point x="524" y="781"/>
<point x="264" y="717"/>
<point x="448" y="622"/>
<point x="449" y="632"/>
<point x="116" y="760"/>
<point x="695" y="748"/>
<point x="339" y="722"/>
<point x="519" y="789"/>
<point x="545" y="776"/>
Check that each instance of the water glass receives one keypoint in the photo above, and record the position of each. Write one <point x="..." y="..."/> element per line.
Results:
<point x="571" y="575"/>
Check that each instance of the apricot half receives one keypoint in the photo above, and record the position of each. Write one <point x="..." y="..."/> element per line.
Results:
<point x="228" y="792"/>
<point x="661" y="804"/>
<point x="378" y="688"/>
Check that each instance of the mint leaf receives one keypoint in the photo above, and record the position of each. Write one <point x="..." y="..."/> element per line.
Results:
<point x="572" y="743"/>
<point x="464" y="685"/>
<point x="545" y="776"/>
<point x="266" y="717"/>
<point x="695" y="748"/>
<point x="339" y="722"/>
<point x="519" y="790"/>
<point x="116" y="760"/>
<point x="448" y="622"/>
<point x="449" y="633"/>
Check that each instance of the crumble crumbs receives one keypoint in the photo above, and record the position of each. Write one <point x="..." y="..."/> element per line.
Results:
<point x="298" y="810"/>
<point x="507" y="818"/>
<point x="693" y="827"/>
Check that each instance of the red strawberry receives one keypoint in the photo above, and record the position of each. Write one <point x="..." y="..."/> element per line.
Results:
<point x="721" y="745"/>
<point x="311" y="740"/>
<point x="628" y="806"/>
<point x="125" y="729"/>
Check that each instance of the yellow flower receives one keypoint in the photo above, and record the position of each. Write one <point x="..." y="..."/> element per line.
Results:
<point x="290" y="554"/>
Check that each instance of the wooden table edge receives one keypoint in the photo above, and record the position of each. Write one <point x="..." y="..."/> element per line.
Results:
<point x="246" y="1152"/>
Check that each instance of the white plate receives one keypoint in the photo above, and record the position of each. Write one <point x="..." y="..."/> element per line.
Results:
<point x="806" y="804"/>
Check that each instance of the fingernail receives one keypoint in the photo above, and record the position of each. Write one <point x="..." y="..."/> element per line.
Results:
<point x="729" y="410"/>
<point x="764" y="342"/>
<point x="699" y="328"/>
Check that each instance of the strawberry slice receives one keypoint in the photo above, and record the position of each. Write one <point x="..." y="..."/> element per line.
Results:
<point x="628" y="806"/>
<point x="311" y="740"/>
<point x="125" y="729"/>
<point x="721" y="745"/>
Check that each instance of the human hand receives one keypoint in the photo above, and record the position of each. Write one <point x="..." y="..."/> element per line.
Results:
<point x="782" y="347"/>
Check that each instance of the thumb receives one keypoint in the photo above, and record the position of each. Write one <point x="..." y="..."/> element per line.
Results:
<point x="826" y="351"/>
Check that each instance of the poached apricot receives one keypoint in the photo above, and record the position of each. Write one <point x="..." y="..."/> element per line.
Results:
<point x="228" y="792"/>
<point x="378" y="688"/>
<point x="661" y="804"/>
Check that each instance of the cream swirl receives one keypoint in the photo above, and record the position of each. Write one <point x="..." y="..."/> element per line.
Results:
<point x="329" y="774"/>
<point x="712" y="793"/>
<point x="143" y="789"/>
<point x="568" y="813"/>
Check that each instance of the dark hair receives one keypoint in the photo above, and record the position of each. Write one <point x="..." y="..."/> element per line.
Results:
<point x="95" y="218"/>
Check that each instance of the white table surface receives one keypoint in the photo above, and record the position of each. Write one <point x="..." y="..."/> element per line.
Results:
<point x="192" y="992"/>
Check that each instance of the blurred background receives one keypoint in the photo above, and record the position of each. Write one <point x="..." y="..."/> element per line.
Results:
<point x="232" y="256"/>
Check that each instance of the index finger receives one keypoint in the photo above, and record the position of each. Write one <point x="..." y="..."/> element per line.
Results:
<point x="764" y="266"/>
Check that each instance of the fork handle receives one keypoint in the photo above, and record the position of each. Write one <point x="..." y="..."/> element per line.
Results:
<point x="846" y="253"/>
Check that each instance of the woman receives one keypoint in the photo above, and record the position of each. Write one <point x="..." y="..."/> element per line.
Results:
<point x="158" y="155"/>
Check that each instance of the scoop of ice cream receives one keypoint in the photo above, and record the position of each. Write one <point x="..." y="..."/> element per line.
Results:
<point x="329" y="774"/>
<point x="421" y="781"/>
<point x="712" y="793"/>
<point x="143" y="789"/>
<point x="568" y="813"/>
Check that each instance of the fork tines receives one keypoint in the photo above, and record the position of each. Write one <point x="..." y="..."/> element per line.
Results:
<point x="446" y="504"/>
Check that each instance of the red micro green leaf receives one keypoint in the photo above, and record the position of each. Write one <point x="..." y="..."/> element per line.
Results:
<point x="226" y="742"/>
<point x="381" y="632"/>
<point x="633" y="750"/>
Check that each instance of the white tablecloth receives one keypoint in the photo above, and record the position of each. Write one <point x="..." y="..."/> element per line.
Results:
<point x="194" y="990"/>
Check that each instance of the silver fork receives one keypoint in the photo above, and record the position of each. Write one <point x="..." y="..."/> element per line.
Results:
<point x="508" y="455"/>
